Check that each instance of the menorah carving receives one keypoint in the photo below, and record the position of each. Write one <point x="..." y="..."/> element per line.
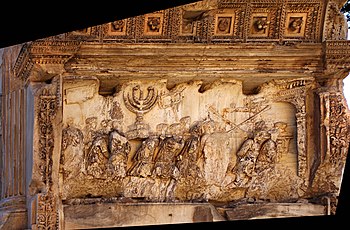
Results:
<point x="137" y="103"/>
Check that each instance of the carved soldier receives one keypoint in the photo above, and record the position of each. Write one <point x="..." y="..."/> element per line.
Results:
<point x="206" y="128"/>
<point x="246" y="158"/>
<point x="267" y="155"/>
<point x="143" y="159"/>
<point x="187" y="160"/>
<point x="185" y="123"/>
<point x="119" y="149"/>
<point x="169" y="149"/>
<point x="91" y="124"/>
<point x="72" y="151"/>
<point x="97" y="157"/>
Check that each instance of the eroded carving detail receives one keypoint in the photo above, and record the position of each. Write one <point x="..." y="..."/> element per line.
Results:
<point x="47" y="111"/>
<point x="137" y="103"/>
<point x="119" y="149"/>
<point x="97" y="157"/>
<point x="296" y="24"/>
<point x="260" y="25"/>
<point x="46" y="213"/>
<point x="336" y="25"/>
<point x="72" y="144"/>
<point x="153" y="24"/>
<point x="338" y="130"/>
<point x="224" y="24"/>
<point x="143" y="160"/>
<point x="334" y="137"/>
<point x="298" y="100"/>
<point x="118" y="27"/>
<point x="220" y="154"/>
<point x="247" y="156"/>
<point x="294" y="92"/>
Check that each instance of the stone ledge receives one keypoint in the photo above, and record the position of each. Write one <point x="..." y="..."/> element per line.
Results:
<point x="274" y="210"/>
<point x="136" y="214"/>
<point x="13" y="219"/>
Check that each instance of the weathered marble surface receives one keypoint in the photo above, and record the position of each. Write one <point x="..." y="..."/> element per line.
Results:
<point x="138" y="214"/>
<point x="186" y="143"/>
<point x="212" y="111"/>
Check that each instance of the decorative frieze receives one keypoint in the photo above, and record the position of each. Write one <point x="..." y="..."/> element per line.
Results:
<point x="216" y="21"/>
<point x="45" y="215"/>
<point x="47" y="111"/>
<point x="44" y="206"/>
<point x="172" y="149"/>
<point x="337" y="55"/>
<point x="215" y="109"/>
<point x="334" y="145"/>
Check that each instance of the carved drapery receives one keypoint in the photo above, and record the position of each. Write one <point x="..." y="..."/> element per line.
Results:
<point x="187" y="135"/>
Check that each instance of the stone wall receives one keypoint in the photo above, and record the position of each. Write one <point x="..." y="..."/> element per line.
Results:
<point x="196" y="113"/>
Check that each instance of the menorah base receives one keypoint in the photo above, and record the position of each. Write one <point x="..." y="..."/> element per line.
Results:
<point x="138" y="131"/>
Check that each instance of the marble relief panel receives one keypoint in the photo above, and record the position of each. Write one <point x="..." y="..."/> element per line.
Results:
<point x="193" y="142"/>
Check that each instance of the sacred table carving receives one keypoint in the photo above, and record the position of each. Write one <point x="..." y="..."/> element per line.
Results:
<point x="212" y="111"/>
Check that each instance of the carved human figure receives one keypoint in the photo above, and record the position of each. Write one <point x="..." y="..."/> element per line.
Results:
<point x="143" y="159"/>
<point x="282" y="139"/>
<point x="206" y="129"/>
<point x="161" y="130"/>
<point x="72" y="152"/>
<point x="191" y="177"/>
<point x="185" y="123"/>
<point x="246" y="159"/>
<point x="169" y="150"/>
<point x="119" y="150"/>
<point x="186" y="161"/>
<point x="97" y="157"/>
<point x="91" y="124"/>
<point x="267" y="154"/>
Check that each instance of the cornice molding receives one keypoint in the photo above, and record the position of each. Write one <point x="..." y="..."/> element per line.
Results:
<point x="43" y="52"/>
<point x="230" y="23"/>
<point x="338" y="55"/>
